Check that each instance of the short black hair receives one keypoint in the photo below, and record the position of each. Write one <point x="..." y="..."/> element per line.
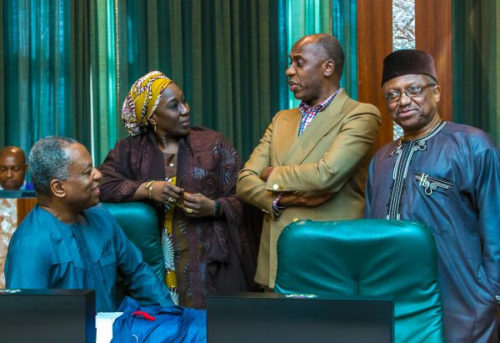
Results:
<point x="333" y="50"/>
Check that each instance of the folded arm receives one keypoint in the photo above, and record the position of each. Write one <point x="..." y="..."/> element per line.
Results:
<point x="250" y="187"/>
<point x="353" y="143"/>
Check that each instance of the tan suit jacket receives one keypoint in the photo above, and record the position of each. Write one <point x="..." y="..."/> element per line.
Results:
<point x="331" y="155"/>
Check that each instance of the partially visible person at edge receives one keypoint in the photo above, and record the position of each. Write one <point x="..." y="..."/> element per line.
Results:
<point x="313" y="160"/>
<point x="447" y="176"/>
<point x="189" y="175"/>
<point x="67" y="241"/>
<point x="13" y="169"/>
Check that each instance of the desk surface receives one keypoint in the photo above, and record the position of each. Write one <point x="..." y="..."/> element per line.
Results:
<point x="104" y="326"/>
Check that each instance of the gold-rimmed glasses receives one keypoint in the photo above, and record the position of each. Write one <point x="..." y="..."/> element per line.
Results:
<point x="395" y="94"/>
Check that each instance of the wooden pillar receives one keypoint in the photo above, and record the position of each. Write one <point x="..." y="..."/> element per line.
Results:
<point x="433" y="33"/>
<point x="374" y="23"/>
<point x="24" y="206"/>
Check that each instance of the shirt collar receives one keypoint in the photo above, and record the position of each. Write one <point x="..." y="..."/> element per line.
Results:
<point x="319" y="107"/>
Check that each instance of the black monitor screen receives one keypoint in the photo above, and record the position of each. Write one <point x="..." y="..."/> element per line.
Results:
<point x="47" y="315"/>
<point x="269" y="317"/>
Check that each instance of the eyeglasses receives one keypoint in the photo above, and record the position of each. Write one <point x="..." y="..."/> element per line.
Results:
<point x="411" y="92"/>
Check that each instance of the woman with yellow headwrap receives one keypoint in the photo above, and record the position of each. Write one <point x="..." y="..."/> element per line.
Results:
<point x="189" y="175"/>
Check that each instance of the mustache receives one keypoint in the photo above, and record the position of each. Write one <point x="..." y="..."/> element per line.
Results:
<point x="405" y="109"/>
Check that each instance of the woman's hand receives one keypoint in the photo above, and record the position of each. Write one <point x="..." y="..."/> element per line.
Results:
<point x="198" y="205"/>
<point x="164" y="191"/>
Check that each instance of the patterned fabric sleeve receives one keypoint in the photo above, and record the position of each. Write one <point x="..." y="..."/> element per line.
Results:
<point x="241" y="231"/>
<point x="117" y="182"/>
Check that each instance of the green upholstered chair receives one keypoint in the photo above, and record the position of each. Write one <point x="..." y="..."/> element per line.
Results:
<point x="367" y="258"/>
<point x="139" y="221"/>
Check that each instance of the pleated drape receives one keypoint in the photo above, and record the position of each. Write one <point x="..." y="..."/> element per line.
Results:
<point x="37" y="93"/>
<point x="227" y="56"/>
<point x="337" y="17"/>
<point x="476" y="64"/>
<point x="66" y="65"/>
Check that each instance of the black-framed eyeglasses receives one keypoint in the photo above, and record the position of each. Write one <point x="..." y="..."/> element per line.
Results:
<point x="411" y="92"/>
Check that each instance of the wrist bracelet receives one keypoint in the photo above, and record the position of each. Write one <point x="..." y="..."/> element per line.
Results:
<point x="149" y="188"/>
<point x="276" y="206"/>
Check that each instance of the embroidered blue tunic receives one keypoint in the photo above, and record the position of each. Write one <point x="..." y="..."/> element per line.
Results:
<point x="47" y="253"/>
<point x="449" y="180"/>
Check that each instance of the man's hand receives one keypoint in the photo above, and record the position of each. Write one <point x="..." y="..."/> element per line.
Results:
<point x="299" y="200"/>
<point x="265" y="173"/>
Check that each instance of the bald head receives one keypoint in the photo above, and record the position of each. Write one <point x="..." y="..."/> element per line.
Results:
<point x="315" y="68"/>
<point x="329" y="48"/>
<point x="12" y="167"/>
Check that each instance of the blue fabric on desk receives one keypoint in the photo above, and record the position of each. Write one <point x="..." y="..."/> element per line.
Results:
<point x="171" y="324"/>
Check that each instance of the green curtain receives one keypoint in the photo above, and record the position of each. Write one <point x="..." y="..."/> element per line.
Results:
<point x="44" y="86"/>
<point x="337" y="17"/>
<point x="344" y="27"/>
<point x="476" y="64"/>
<point x="79" y="54"/>
<point x="66" y="65"/>
<point x="105" y="122"/>
<point x="227" y="56"/>
<point x="36" y="82"/>
<point x="306" y="17"/>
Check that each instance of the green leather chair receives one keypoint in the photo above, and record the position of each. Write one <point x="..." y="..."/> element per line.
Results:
<point x="367" y="258"/>
<point x="139" y="221"/>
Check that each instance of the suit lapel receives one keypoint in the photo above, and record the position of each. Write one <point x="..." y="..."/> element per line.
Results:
<point x="288" y="129"/>
<point x="319" y="127"/>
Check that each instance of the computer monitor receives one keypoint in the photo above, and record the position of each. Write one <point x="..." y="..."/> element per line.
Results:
<point x="17" y="194"/>
<point x="47" y="315"/>
<point x="270" y="317"/>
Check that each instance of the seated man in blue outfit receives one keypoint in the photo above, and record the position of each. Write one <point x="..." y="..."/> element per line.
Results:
<point x="68" y="242"/>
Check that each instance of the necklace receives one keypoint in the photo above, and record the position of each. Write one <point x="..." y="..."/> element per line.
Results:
<point x="169" y="160"/>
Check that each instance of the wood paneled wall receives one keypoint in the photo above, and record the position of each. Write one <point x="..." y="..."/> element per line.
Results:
<point x="433" y="34"/>
<point x="374" y="43"/>
<point x="24" y="206"/>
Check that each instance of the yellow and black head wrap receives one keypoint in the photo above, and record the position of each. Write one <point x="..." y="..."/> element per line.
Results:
<point x="142" y="100"/>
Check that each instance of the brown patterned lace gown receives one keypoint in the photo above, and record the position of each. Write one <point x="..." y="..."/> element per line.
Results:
<point x="211" y="254"/>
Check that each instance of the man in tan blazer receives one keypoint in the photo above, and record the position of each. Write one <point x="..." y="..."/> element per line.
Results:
<point x="313" y="160"/>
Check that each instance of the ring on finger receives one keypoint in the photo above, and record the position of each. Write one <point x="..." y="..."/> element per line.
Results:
<point x="171" y="200"/>
<point x="188" y="210"/>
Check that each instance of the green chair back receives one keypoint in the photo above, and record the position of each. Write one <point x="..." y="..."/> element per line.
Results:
<point x="139" y="221"/>
<point x="367" y="258"/>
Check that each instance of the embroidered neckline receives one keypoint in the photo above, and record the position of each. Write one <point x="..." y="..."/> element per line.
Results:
<point x="421" y="141"/>
<point x="429" y="132"/>
<point x="401" y="166"/>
